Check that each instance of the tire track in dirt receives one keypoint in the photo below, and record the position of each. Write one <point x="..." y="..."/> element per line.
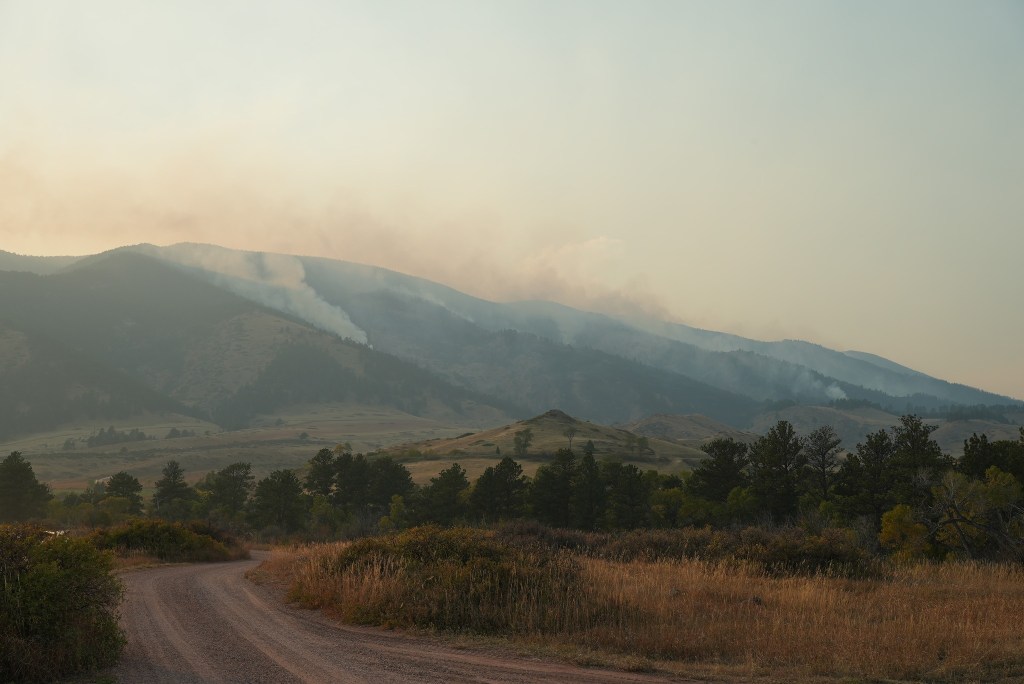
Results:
<point x="206" y="623"/>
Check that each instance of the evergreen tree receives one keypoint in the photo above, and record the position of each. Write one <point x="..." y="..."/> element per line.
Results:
<point x="322" y="472"/>
<point x="722" y="471"/>
<point x="278" y="501"/>
<point x="822" y="449"/>
<point x="441" y="501"/>
<point x="588" y="494"/>
<point x="865" y="480"/>
<point x="22" y="496"/>
<point x="776" y="467"/>
<point x="980" y="454"/>
<point x="352" y="481"/>
<point x="551" y="492"/>
<point x="126" y="487"/>
<point x="229" y="488"/>
<point x="500" y="492"/>
<point x="918" y="461"/>
<point x="387" y="477"/>
<point x="627" y="496"/>
<point x="173" y="496"/>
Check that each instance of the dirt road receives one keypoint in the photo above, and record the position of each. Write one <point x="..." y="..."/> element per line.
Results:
<point x="207" y="623"/>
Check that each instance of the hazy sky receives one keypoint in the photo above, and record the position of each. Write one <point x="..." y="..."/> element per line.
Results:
<point x="851" y="173"/>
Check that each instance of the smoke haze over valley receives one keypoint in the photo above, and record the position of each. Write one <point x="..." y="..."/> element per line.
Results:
<point x="761" y="172"/>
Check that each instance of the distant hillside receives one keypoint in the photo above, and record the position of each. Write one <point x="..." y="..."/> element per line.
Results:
<point x="952" y="434"/>
<point x="854" y="424"/>
<point x="44" y="383"/>
<point x="454" y="334"/>
<point x="136" y="334"/>
<point x="550" y="431"/>
<point x="34" y="264"/>
<point x="691" y="430"/>
<point x="237" y="336"/>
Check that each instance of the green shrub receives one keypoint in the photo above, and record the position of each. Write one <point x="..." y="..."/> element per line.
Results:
<point x="58" y="606"/>
<point x="169" y="541"/>
<point x="459" y="579"/>
<point x="776" y="550"/>
<point x="791" y="550"/>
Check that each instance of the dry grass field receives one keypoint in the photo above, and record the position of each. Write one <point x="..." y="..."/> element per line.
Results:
<point x="287" y="440"/>
<point x="947" y="622"/>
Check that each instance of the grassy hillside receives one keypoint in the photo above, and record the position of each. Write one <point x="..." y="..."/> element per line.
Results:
<point x="550" y="430"/>
<point x="690" y="430"/>
<point x="287" y="439"/>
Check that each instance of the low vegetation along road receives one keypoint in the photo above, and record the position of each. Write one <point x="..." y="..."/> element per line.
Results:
<point x="207" y="623"/>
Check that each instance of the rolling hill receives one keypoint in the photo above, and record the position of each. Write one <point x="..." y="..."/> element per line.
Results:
<point x="552" y="430"/>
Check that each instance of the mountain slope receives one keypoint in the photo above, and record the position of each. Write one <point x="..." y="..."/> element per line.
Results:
<point x="44" y="383"/>
<point x="233" y="335"/>
<point x="188" y="342"/>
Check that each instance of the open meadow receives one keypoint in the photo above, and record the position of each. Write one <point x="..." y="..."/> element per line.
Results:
<point x="698" y="617"/>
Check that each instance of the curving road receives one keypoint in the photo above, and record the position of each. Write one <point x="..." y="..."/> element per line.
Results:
<point x="207" y="623"/>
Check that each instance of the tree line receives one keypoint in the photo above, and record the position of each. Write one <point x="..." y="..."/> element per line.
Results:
<point x="896" y="487"/>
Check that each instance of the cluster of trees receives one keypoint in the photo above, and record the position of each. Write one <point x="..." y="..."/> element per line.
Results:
<point x="111" y="435"/>
<point x="896" y="486"/>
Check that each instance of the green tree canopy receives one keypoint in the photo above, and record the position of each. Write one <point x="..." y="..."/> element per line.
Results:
<point x="627" y="495"/>
<point x="865" y="479"/>
<point x="918" y="461"/>
<point x="822" y="450"/>
<point x="22" y="496"/>
<point x="173" y="496"/>
<point x="588" y="494"/>
<point x="229" y="487"/>
<point x="441" y="501"/>
<point x="126" y="486"/>
<point x="278" y="501"/>
<point x="500" y="492"/>
<point x="551" y="492"/>
<point x="323" y="469"/>
<point x="521" y="442"/>
<point x="722" y="471"/>
<point x="777" y="461"/>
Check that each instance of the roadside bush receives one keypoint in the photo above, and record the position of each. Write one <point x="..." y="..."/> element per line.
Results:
<point x="791" y="550"/>
<point x="58" y="606"/>
<point x="775" y="550"/>
<point x="458" y="579"/>
<point x="168" y="541"/>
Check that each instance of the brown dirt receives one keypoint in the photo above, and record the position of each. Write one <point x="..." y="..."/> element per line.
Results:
<point x="207" y="623"/>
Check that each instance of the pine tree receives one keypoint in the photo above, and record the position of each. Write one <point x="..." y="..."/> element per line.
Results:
<point x="22" y="496"/>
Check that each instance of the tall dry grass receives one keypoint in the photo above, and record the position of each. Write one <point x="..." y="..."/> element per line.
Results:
<point x="951" y="621"/>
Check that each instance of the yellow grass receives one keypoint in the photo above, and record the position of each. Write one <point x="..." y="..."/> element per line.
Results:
<point x="951" y="622"/>
<point x="948" y="621"/>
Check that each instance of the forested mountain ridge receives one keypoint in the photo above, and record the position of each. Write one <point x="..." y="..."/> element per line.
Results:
<point x="230" y="335"/>
<point x="377" y="304"/>
<point x="131" y="333"/>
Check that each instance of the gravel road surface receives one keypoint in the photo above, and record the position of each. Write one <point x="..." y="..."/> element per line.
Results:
<point x="208" y="623"/>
